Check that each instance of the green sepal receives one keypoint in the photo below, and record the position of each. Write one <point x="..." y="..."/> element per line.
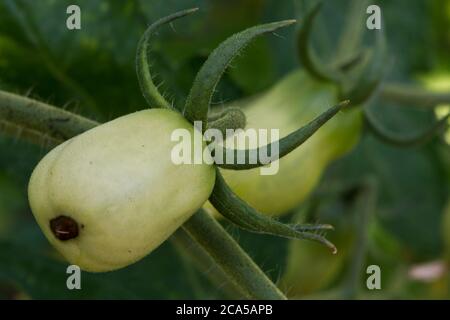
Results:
<point x="251" y="157"/>
<point x="244" y="216"/>
<point x="199" y="99"/>
<point x="150" y="91"/>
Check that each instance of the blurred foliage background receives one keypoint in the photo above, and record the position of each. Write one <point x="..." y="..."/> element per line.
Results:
<point x="92" y="72"/>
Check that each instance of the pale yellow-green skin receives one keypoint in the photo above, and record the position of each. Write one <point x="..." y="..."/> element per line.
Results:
<point x="310" y="267"/>
<point x="291" y="104"/>
<point x="118" y="182"/>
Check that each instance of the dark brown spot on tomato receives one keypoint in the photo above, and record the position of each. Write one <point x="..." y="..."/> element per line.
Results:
<point x="64" y="228"/>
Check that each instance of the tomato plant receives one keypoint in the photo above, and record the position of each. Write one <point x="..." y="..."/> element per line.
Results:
<point x="145" y="193"/>
<point x="107" y="194"/>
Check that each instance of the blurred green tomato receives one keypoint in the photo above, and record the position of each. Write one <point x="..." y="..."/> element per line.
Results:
<point x="309" y="268"/>
<point x="108" y="197"/>
<point x="293" y="102"/>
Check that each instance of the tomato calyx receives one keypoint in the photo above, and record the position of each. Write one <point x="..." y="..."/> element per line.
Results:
<point x="359" y="72"/>
<point x="230" y="118"/>
<point x="286" y="144"/>
<point x="197" y="108"/>
<point x="357" y="75"/>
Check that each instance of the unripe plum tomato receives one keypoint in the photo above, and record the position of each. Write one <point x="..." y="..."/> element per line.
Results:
<point x="108" y="197"/>
<point x="310" y="269"/>
<point x="293" y="102"/>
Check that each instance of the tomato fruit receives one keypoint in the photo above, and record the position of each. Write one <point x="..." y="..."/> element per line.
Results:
<point x="292" y="103"/>
<point x="309" y="268"/>
<point x="108" y="197"/>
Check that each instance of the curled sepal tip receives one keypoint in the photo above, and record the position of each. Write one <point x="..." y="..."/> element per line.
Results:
<point x="198" y="101"/>
<point x="231" y="118"/>
<point x="245" y="159"/>
<point x="401" y="140"/>
<point x="244" y="216"/>
<point x="150" y="91"/>
<point x="306" y="53"/>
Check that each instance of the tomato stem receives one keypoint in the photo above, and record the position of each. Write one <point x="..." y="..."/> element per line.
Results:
<point x="229" y="256"/>
<point x="195" y="254"/>
<point x="306" y="53"/>
<point x="413" y="96"/>
<point x="39" y="117"/>
<point x="364" y="207"/>
<point x="401" y="140"/>
<point x="29" y="135"/>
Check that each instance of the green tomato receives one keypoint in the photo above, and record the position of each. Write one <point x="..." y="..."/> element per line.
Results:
<point x="111" y="195"/>
<point x="309" y="268"/>
<point x="292" y="103"/>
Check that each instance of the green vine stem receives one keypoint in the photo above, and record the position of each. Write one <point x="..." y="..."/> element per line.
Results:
<point x="402" y="140"/>
<point x="32" y="136"/>
<point x="307" y="56"/>
<point x="191" y="250"/>
<point x="231" y="258"/>
<point x="413" y="96"/>
<point x="39" y="117"/>
<point x="364" y="207"/>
